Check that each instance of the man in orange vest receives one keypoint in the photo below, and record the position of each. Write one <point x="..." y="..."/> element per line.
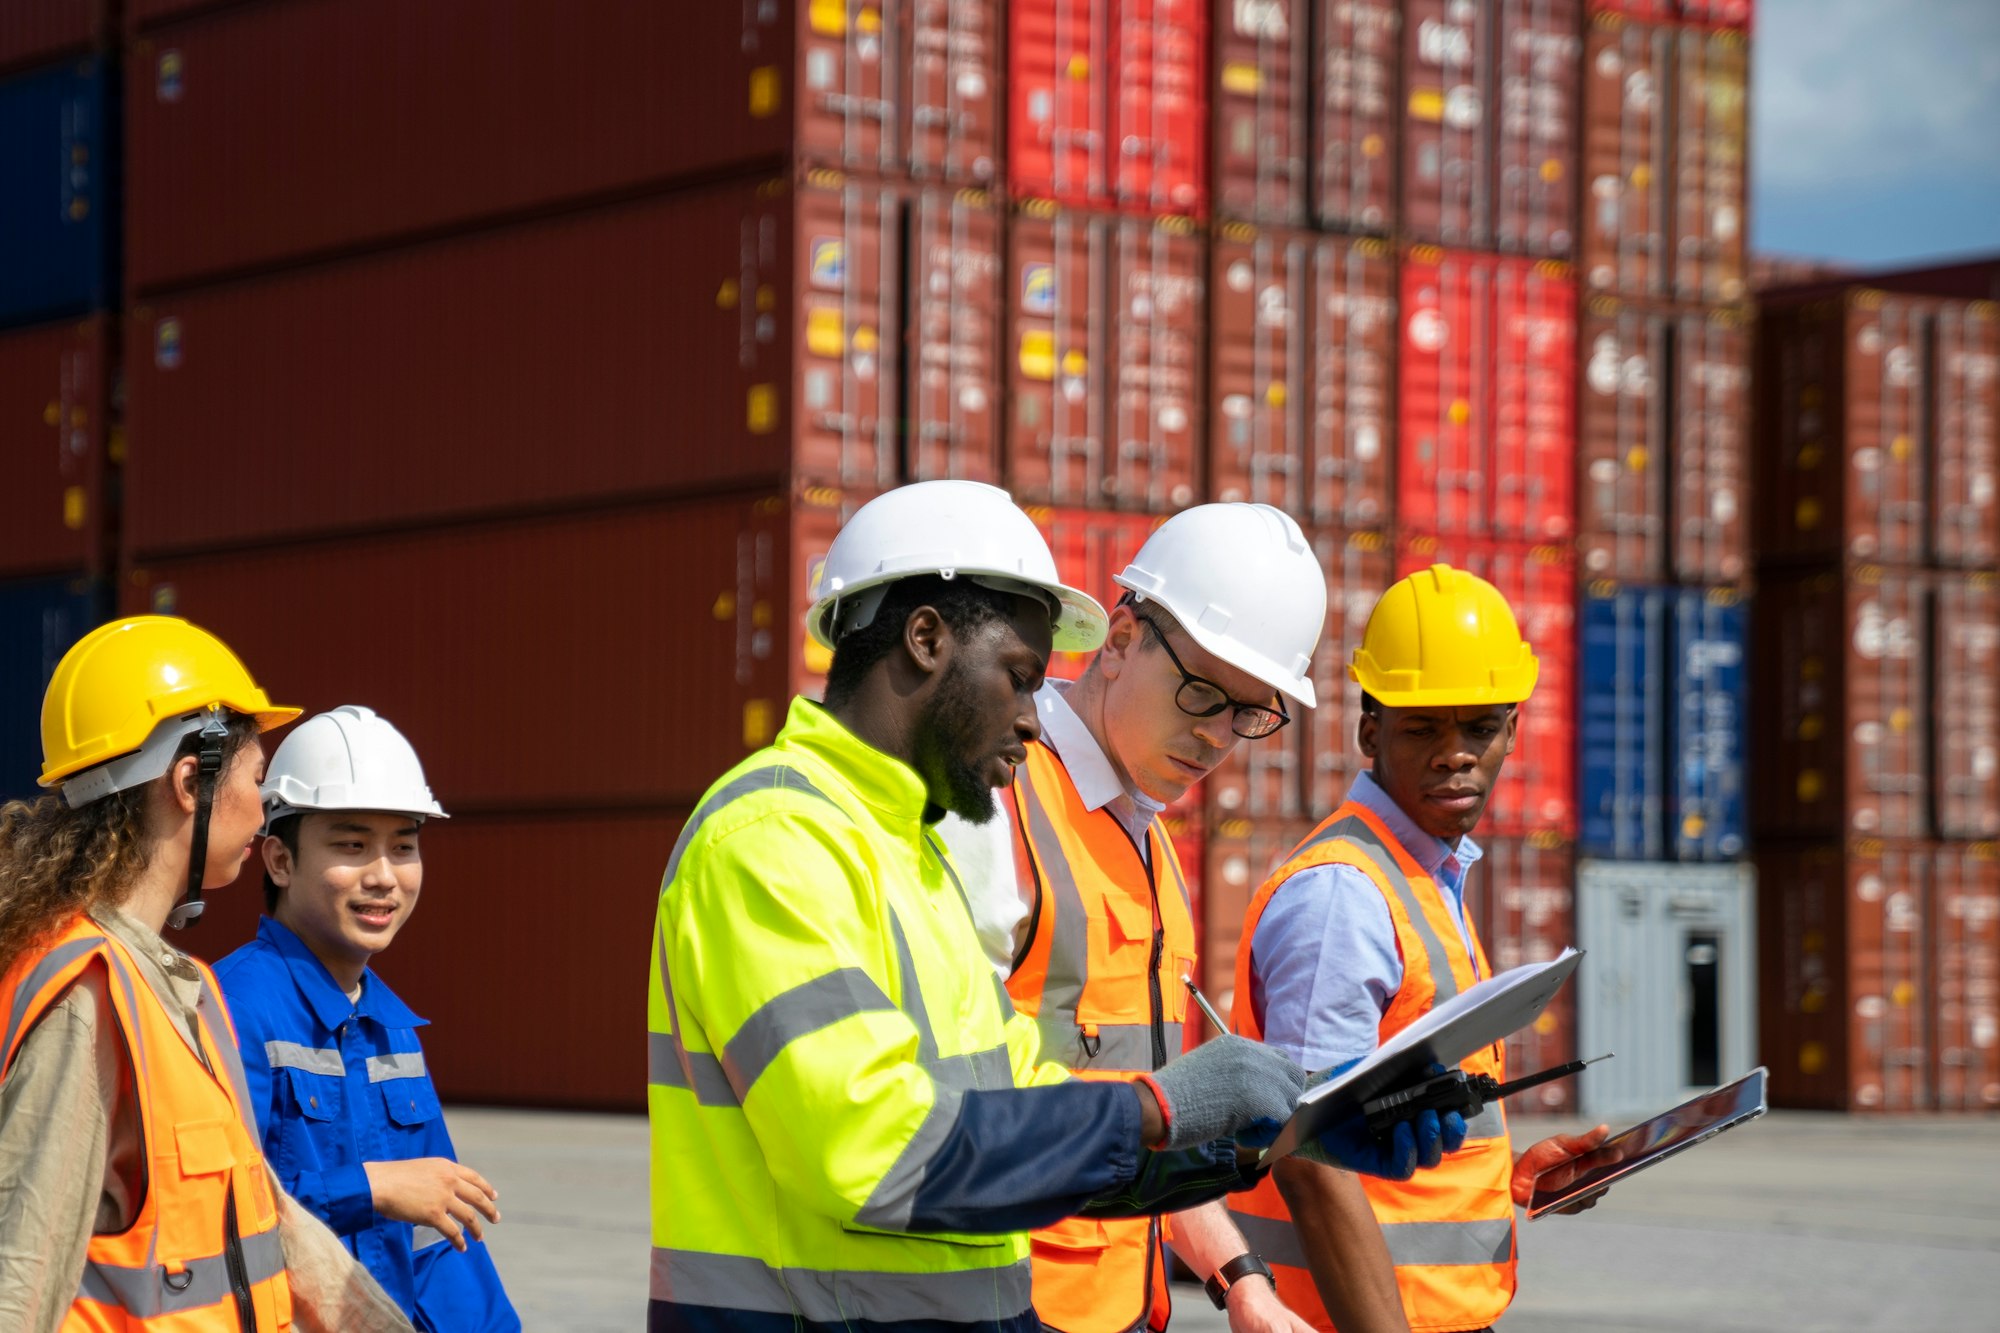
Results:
<point x="1223" y="608"/>
<point x="1364" y="928"/>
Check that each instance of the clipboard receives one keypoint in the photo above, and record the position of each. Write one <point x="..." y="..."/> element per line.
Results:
<point x="1476" y="1017"/>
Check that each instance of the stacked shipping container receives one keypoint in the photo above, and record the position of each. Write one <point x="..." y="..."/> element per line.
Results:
<point x="1879" y="666"/>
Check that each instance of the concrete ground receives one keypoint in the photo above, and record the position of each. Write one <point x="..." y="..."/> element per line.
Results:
<point x="1801" y="1222"/>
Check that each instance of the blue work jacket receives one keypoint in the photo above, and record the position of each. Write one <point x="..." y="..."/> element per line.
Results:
<point x="337" y="1083"/>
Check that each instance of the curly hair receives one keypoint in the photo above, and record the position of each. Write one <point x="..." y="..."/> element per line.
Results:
<point x="56" y="862"/>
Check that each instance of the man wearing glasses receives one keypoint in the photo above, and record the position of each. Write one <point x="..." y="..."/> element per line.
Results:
<point x="1223" y="607"/>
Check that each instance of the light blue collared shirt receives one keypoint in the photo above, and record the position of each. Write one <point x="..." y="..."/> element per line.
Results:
<point x="1324" y="962"/>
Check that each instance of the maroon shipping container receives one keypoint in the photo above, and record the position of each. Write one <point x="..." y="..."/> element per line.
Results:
<point x="1356" y="124"/>
<point x="1263" y="105"/>
<point x="1965" y="704"/>
<point x="1661" y="486"/>
<point x="1521" y="898"/>
<point x="1711" y="179"/>
<point x="1647" y="11"/>
<point x="1877" y="414"/>
<point x="1627" y="127"/>
<point x="36" y="31"/>
<point x="1241" y="854"/>
<point x="1842" y="694"/>
<point x="1536" y="792"/>
<point x="1538" y="57"/>
<point x="523" y="369"/>
<point x="1845" y="977"/>
<point x="1107" y="336"/>
<point x="1091" y="547"/>
<point x="490" y="108"/>
<point x="1966" y="979"/>
<point x="1359" y="569"/>
<point x="686" y="620"/>
<point x="1447" y="138"/>
<point x="1718" y="13"/>
<point x="484" y="913"/>
<point x="1302" y="348"/>
<point x="1487" y="443"/>
<point x="54" y="398"/>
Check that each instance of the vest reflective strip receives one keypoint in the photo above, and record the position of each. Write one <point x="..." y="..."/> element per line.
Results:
<point x="38" y="977"/>
<point x="733" y="1282"/>
<point x="148" y="1293"/>
<point x="1121" y="1047"/>
<point x="396" y="1064"/>
<point x="798" y="1012"/>
<point x="1435" y="1244"/>
<point x="671" y="1065"/>
<point x="1357" y="831"/>
<point x="1488" y="1124"/>
<point x="769" y="778"/>
<point x="422" y="1238"/>
<point x="1069" y="950"/>
<point x="209" y="1013"/>
<point x="312" y="1059"/>
<point x="1271" y="1237"/>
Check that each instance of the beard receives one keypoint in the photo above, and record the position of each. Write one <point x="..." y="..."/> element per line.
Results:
<point x="945" y="746"/>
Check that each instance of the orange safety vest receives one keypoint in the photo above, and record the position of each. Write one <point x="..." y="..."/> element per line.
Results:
<point x="1451" y="1229"/>
<point x="1101" y="975"/>
<point x="203" y="1253"/>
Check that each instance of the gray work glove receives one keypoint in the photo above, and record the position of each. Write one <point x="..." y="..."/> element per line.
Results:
<point x="1228" y="1086"/>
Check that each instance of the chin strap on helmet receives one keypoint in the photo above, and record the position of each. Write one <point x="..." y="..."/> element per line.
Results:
<point x="214" y="736"/>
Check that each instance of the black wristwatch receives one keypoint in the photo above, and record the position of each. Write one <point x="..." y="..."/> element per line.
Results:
<point x="1233" y="1272"/>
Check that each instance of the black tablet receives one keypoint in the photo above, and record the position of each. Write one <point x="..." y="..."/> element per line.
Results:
<point x="1653" y="1141"/>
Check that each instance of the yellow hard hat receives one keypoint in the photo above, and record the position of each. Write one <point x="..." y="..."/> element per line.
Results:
<point x="133" y="688"/>
<point x="1444" y="638"/>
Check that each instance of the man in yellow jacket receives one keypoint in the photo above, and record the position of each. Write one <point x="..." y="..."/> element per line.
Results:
<point x="1209" y="648"/>
<point x="850" y="1125"/>
<point x="1364" y="928"/>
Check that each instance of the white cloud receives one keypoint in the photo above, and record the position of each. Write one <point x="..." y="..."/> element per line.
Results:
<point x="1874" y="92"/>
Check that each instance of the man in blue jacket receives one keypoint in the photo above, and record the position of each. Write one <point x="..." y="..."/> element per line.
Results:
<point x="350" y="1120"/>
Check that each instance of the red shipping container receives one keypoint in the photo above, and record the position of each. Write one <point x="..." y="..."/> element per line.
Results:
<point x="1646" y="11"/>
<point x="1302" y="346"/>
<point x="689" y="616"/>
<point x="1626" y="130"/>
<point x="520" y="369"/>
<point x="1091" y="547"/>
<point x="1965" y="518"/>
<point x="36" y="31"/>
<point x="1853" y="409"/>
<point x="1711" y="178"/>
<point x="1359" y="569"/>
<point x="1536" y="793"/>
<point x="1718" y="13"/>
<point x="1521" y="896"/>
<point x="1447" y="139"/>
<point x="1662" y="469"/>
<point x="490" y="108"/>
<point x="1487" y="440"/>
<point x="1842" y="689"/>
<point x="1845" y="976"/>
<point x="1263" y="99"/>
<point x="1965" y="704"/>
<point x="1965" y="980"/>
<point x="1538" y="56"/>
<point x="1110" y="103"/>
<point x="1107" y="334"/>
<point x="1356" y="120"/>
<point x="1241" y="853"/>
<point x="54" y="400"/>
<point x="484" y="877"/>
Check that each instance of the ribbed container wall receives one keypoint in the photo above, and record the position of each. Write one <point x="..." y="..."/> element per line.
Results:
<point x="35" y="31"/>
<point x="55" y="401"/>
<point x="58" y="156"/>
<point x="39" y="620"/>
<point x="1522" y="896"/>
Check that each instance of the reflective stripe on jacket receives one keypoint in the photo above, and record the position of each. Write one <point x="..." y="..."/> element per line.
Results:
<point x="1450" y="1230"/>
<point x="850" y="1124"/>
<point x="1101" y="976"/>
<point x="203" y="1251"/>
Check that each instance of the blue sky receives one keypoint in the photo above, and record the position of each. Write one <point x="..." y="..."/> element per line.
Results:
<point x="1875" y="129"/>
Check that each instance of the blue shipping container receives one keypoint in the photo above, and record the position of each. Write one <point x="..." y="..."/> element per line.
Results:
<point x="1621" y="722"/>
<point x="1706" y="726"/>
<point x="58" y="134"/>
<point x="39" y="620"/>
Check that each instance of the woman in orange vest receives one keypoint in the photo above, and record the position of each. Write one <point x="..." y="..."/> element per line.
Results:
<point x="133" y="1192"/>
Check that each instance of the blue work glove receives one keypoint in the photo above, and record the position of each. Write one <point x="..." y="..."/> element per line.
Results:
<point x="1420" y="1141"/>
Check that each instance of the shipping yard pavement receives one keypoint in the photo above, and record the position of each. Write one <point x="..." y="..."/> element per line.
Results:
<point x="1797" y="1222"/>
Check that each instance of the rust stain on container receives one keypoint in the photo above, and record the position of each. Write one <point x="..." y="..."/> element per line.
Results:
<point x="1627" y="131"/>
<point x="1842" y="704"/>
<point x="1105" y="340"/>
<point x="32" y="31"/>
<point x="1711" y="176"/>
<point x="1965" y="704"/>
<point x="54" y="402"/>
<point x="1302" y="347"/>
<point x="1521" y="897"/>
<point x="1357" y="125"/>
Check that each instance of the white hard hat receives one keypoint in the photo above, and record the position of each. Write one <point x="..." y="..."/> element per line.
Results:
<point x="951" y="528"/>
<point x="348" y="759"/>
<point x="1242" y="580"/>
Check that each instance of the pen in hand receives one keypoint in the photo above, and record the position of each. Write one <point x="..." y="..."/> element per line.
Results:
<point x="1202" y="1000"/>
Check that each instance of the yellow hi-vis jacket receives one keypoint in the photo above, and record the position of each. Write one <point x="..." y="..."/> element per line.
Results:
<point x="850" y="1125"/>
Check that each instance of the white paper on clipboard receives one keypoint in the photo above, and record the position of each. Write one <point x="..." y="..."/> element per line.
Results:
<point x="1481" y="1015"/>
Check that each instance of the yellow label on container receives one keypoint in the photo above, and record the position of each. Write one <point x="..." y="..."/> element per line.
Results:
<point x="1552" y="170"/>
<point x="1636" y="458"/>
<point x="818" y="657"/>
<point x="868" y="20"/>
<point x="766" y="91"/>
<point x="724" y="606"/>
<point x="1805" y="515"/>
<point x="52" y="414"/>
<point x="761" y="415"/>
<point x="1274" y="393"/>
<point x="75" y="506"/>
<point x="728" y="294"/>
<point x="758" y="715"/>
<point x="828" y="17"/>
<point x="1038" y="354"/>
<point x="1427" y="104"/>
<point x="1900" y="448"/>
<point x="1812" y="1057"/>
<point x="1241" y="77"/>
<point x="1642" y="176"/>
<point x="1074" y="363"/>
<point x="1079" y="67"/>
<point x="1459" y="412"/>
<point x="1374" y="145"/>
<point x="760" y="614"/>
<point x="824" y="334"/>
<point x="1811" y="786"/>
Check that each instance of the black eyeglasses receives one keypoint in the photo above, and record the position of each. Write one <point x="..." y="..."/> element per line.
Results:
<point x="1204" y="698"/>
